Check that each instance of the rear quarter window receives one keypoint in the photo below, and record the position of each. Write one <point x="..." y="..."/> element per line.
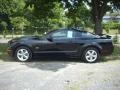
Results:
<point x="83" y="35"/>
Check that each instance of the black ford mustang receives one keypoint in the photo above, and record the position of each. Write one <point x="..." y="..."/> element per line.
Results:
<point x="72" y="42"/>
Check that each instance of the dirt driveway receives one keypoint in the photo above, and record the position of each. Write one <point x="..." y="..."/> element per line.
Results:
<point x="60" y="75"/>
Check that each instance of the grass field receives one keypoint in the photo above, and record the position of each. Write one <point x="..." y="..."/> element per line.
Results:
<point x="111" y="32"/>
<point x="115" y="55"/>
<point x="3" y="48"/>
<point x="3" y="53"/>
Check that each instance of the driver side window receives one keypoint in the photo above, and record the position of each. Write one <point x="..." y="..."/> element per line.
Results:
<point x="63" y="34"/>
<point x="60" y="34"/>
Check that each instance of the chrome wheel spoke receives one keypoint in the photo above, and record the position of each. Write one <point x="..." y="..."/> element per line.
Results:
<point x="25" y="57"/>
<point x="94" y="56"/>
<point x="92" y="52"/>
<point x="22" y="51"/>
<point x="25" y="52"/>
<point x="22" y="57"/>
<point x="89" y="53"/>
<point x="19" y="54"/>
<point x="87" y="57"/>
<point x="91" y="58"/>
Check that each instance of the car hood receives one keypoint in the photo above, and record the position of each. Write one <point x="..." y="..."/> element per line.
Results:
<point x="26" y="38"/>
<point x="23" y="38"/>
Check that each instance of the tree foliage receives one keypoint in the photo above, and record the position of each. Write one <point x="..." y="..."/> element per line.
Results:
<point x="19" y="23"/>
<point x="3" y="26"/>
<point x="80" y="16"/>
<point x="52" y="14"/>
<point x="44" y="20"/>
<point x="42" y="8"/>
<point x="9" y="8"/>
<point x="98" y="9"/>
<point x="111" y="25"/>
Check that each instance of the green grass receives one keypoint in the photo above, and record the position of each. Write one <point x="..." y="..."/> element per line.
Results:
<point x="111" y="32"/>
<point x="116" y="50"/>
<point x="3" y="53"/>
<point x="3" y="48"/>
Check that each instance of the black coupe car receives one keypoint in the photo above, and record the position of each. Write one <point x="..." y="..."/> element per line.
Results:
<point x="71" y="42"/>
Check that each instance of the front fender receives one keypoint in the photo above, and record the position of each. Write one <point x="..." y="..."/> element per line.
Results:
<point x="19" y="44"/>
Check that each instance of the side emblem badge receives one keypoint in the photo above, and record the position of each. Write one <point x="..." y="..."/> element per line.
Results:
<point x="36" y="47"/>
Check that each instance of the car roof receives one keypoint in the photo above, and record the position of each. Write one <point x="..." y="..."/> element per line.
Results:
<point x="80" y="30"/>
<point x="73" y="29"/>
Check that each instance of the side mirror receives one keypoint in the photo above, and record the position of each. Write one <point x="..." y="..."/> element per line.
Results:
<point x="50" y="38"/>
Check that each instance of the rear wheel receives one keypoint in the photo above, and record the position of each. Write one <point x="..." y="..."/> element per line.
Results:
<point x="23" y="54"/>
<point x="91" y="55"/>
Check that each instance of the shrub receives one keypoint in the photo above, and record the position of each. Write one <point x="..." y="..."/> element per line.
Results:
<point x="111" y="25"/>
<point x="115" y="39"/>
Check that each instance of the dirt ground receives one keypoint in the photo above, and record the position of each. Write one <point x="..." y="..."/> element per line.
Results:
<point x="60" y="75"/>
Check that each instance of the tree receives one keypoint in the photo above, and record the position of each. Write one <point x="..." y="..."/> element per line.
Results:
<point x="98" y="9"/>
<point x="42" y="8"/>
<point x="80" y="16"/>
<point x="19" y="23"/>
<point x="46" y="14"/>
<point x="59" y="18"/>
<point x="3" y="26"/>
<point x="9" y="8"/>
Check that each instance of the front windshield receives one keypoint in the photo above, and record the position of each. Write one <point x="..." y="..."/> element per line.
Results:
<point x="46" y="34"/>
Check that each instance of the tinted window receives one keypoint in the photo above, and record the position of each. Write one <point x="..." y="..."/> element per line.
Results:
<point x="59" y="34"/>
<point x="78" y="34"/>
<point x="63" y="34"/>
<point x="87" y="34"/>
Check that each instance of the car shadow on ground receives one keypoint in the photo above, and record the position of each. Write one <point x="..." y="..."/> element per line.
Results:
<point x="51" y="63"/>
<point x="45" y="63"/>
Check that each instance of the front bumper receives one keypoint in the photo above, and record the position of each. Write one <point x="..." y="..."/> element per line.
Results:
<point x="10" y="51"/>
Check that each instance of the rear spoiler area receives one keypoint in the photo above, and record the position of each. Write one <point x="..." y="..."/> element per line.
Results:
<point x="105" y="36"/>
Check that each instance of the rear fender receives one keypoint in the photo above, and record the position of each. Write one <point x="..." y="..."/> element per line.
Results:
<point x="85" y="46"/>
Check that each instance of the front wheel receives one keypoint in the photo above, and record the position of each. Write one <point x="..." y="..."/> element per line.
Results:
<point x="91" y="55"/>
<point x="23" y="54"/>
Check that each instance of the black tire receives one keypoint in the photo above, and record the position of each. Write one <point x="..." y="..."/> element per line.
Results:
<point x="88" y="57"/>
<point x="29" y="54"/>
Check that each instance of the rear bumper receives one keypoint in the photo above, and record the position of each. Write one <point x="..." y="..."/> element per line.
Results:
<point x="108" y="50"/>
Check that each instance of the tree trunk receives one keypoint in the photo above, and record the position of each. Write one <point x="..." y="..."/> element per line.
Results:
<point x="98" y="27"/>
<point x="98" y="11"/>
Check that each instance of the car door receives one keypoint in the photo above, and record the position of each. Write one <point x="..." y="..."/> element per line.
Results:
<point x="43" y="46"/>
<point x="63" y="41"/>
